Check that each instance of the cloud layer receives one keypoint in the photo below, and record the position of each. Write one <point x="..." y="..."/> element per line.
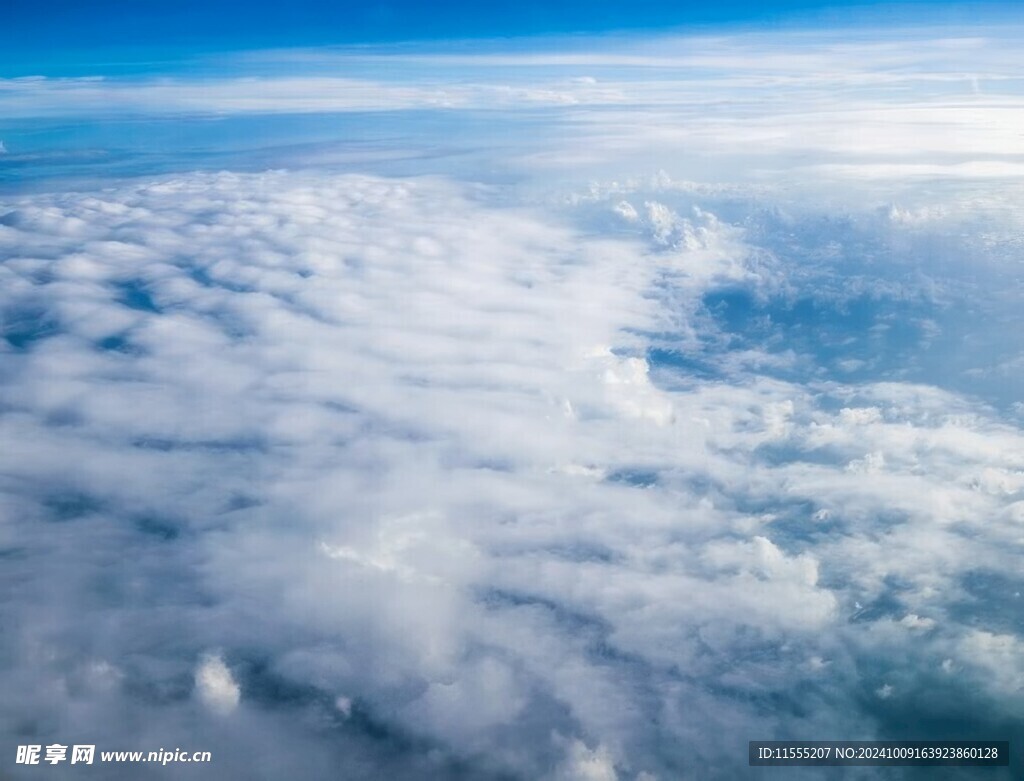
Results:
<point x="355" y="476"/>
<point x="800" y="110"/>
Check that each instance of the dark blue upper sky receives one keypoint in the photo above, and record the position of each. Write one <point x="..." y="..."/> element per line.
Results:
<point x="51" y="36"/>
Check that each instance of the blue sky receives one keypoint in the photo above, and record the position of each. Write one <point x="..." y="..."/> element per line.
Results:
<point x="106" y="23"/>
<point x="64" y="37"/>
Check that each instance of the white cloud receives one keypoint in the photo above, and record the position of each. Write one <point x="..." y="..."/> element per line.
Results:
<point x="832" y="113"/>
<point x="584" y="764"/>
<point x="216" y="687"/>
<point x="368" y="419"/>
<point x="916" y="622"/>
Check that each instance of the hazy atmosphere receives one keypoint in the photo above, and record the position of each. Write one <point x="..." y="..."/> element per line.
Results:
<point x="536" y="393"/>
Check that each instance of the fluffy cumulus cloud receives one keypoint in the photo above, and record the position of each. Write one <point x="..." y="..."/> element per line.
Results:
<point x="215" y="685"/>
<point x="364" y="474"/>
<point x="341" y="475"/>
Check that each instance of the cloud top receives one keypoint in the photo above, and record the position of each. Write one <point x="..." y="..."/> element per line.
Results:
<point x="456" y="484"/>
